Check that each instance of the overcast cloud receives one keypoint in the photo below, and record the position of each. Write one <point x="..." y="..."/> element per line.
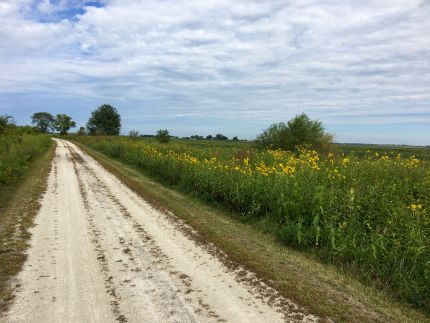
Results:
<point x="225" y="66"/>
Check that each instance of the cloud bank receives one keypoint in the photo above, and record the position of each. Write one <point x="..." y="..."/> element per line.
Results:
<point x="240" y="64"/>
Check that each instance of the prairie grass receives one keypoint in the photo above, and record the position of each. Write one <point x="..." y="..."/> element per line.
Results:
<point x="367" y="214"/>
<point x="16" y="152"/>
<point x="24" y="166"/>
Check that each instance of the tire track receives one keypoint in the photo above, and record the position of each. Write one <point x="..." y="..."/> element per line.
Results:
<point x="111" y="289"/>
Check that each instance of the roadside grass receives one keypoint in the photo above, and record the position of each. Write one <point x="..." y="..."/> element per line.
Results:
<point x="322" y="289"/>
<point x="19" y="203"/>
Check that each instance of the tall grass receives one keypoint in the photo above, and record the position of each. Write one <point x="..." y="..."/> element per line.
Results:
<point x="16" y="152"/>
<point x="368" y="214"/>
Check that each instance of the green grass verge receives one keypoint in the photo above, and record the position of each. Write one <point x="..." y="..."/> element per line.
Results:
<point x="321" y="289"/>
<point x="18" y="206"/>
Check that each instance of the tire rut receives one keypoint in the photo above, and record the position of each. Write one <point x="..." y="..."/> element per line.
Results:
<point x="111" y="289"/>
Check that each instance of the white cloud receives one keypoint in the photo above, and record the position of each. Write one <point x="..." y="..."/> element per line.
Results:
<point x="249" y="59"/>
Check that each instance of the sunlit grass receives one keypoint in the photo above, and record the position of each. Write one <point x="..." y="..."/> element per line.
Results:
<point x="16" y="152"/>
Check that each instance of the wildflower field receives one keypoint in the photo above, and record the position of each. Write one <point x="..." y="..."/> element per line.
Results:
<point x="16" y="152"/>
<point x="365" y="210"/>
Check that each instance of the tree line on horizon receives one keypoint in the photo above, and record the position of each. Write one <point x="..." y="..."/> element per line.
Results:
<point x="106" y="120"/>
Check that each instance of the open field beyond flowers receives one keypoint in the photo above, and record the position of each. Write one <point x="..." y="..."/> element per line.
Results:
<point x="367" y="212"/>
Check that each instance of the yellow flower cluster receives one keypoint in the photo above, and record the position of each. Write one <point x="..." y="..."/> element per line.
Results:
<point x="278" y="154"/>
<point x="286" y="169"/>
<point x="412" y="162"/>
<point x="309" y="158"/>
<point x="415" y="207"/>
<point x="335" y="174"/>
<point x="273" y="162"/>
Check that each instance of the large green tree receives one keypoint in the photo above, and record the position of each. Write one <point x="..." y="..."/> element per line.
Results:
<point x="298" y="131"/>
<point x="105" y="120"/>
<point x="43" y="121"/>
<point x="63" y="123"/>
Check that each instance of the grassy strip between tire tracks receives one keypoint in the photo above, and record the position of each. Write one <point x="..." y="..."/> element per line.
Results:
<point x="321" y="289"/>
<point x="18" y="206"/>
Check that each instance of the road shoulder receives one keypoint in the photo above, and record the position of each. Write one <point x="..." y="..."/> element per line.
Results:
<point x="18" y="207"/>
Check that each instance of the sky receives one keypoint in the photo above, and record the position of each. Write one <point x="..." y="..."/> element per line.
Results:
<point x="231" y="67"/>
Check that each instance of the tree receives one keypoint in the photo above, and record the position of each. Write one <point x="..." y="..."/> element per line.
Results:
<point x="43" y="121"/>
<point x="105" y="120"/>
<point x="162" y="136"/>
<point x="209" y="137"/>
<point x="298" y="131"/>
<point x="81" y="131"/>
<point x="235" y="138"/>
<point x="6" y="121"/>
<point x="63" y="123"/>
<point x="134" y="134"/>
<point x="220" y="137"/>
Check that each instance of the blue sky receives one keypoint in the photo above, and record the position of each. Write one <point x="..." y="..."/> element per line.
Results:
<point x="232" y="67"/>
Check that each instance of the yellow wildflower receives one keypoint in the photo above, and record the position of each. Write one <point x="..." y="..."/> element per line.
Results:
<point x="415" y="207"/>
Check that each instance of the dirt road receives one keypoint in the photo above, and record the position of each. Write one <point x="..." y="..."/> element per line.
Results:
<point x="100" y="253"/>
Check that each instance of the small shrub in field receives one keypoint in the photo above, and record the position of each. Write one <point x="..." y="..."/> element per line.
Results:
<point x="134" y="134"/>
<point x="163" y="136"/>
<point x="298" y="131"/>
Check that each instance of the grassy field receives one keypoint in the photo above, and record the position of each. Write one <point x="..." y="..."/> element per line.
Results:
<point x="364" y="210"/>
<point x="24" y="166"/>
<point x="16" y="153"/>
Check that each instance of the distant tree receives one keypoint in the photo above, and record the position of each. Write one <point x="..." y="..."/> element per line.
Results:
<point x="209" y="137"/>
<point x="63" y="123"/>
<point x="235" y="138"/>
<point x="163" y="136"/>
<point x="6" y="121"/>
<point x="197" y="137"/>
<point x="81" y="131"/>
<point x="105" y="120"/>
<point x="134" y="134"/>
<point x="43" y="121"/>
<point x="220" y="137"/>
<point x="298" y="131"/>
